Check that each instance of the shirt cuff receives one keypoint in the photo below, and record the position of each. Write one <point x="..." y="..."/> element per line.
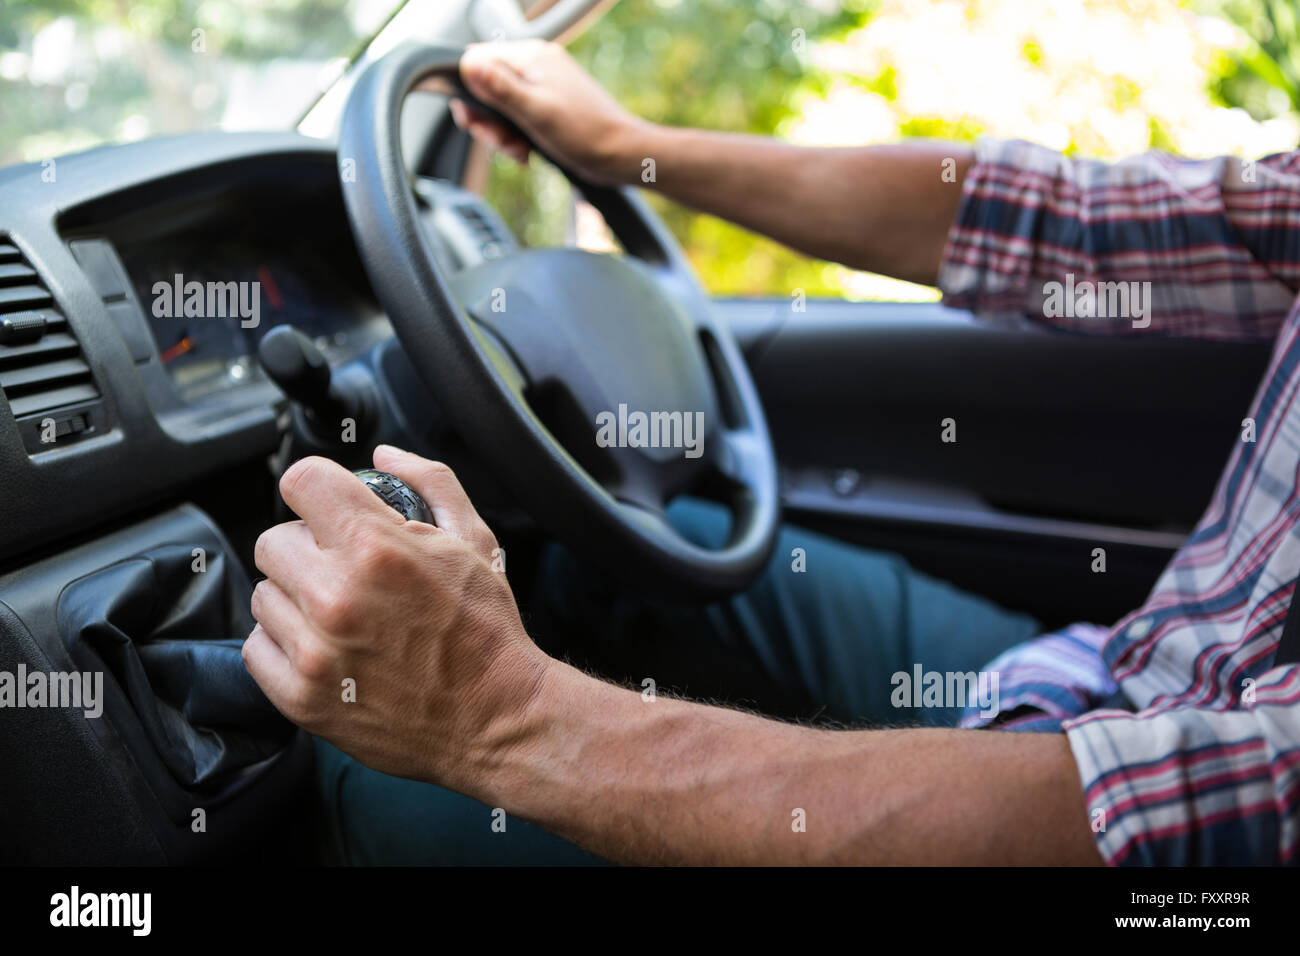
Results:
<point x="986" y="267"/>
<point x="1177" y="787"/>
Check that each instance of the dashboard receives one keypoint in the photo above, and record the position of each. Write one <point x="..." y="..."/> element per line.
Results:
<point x="196" y="274"/>
<point x="135" y="286"/>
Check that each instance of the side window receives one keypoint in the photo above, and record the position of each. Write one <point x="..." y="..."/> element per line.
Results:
<point x="1076" y="78"/>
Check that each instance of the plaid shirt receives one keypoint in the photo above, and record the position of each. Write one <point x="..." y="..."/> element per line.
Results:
<point x="1207" y="768"/>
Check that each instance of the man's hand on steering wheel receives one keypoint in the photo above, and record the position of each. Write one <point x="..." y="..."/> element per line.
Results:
<point x="540" y="87"/>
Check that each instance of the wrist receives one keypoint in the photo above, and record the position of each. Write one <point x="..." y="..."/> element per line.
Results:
<point x="534" y="687"/>
<point x="627" y="148"/>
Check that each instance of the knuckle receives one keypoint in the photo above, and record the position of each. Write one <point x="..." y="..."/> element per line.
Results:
<point x="258" y="601"/>
<point x="438" y="470"/>
<point x="262" y="548"/>
<point x="476" y="557"/>
<point x="373" y="553"/>
<point x="485" y="542"/>
<point x="251" y="650"/>
<point x="297" y="703"/>
<point x="335" y="612"/>
<point x="298" y="476"/>
<point x="314" y="662"/>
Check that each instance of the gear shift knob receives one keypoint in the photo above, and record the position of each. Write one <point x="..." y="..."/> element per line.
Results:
<point x="397" y="494"/>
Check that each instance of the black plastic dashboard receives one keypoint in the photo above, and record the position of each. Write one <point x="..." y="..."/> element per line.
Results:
<point x="119" y="387"/>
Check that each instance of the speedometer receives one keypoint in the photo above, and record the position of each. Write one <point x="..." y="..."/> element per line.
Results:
<point x="210" y="301"/>
<point x="200" y="321"/>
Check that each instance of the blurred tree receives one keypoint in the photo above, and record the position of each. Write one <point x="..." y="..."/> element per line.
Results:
<point x="1103" y="78"/>
<point x="1263" y="77"/>
<point x="74" y="73"/>
<point x="737" y="65"/>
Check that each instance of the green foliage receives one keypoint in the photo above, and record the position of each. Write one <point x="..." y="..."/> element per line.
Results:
<point x="1263" y="78"/>
<point x="964" y="130"/>
<point x="731" y="65"/>
<point x="717" y="64"/>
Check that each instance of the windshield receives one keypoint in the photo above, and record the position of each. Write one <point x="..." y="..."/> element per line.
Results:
<point x="77" y="73"/>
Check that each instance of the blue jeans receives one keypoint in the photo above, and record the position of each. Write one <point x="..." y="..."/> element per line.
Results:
<point x="818" y="643"/>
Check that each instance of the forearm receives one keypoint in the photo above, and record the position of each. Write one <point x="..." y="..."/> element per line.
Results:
<point x="885" y="209"/>
<point x="668" y="781"/>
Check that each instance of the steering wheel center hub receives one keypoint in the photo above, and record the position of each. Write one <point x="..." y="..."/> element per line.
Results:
<point x="596" y="338"/>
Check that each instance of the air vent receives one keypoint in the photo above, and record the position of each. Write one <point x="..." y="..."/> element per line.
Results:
<point x="41" y="366"/>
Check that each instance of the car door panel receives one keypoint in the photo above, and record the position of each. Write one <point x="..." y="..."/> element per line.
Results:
<point x="1064" y="443"/>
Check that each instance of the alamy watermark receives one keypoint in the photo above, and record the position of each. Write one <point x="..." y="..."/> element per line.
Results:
<point x="636" y="429"/>
<point x="949" y="689"/>
<point x="208" y="300"/>
<point x="70" y="690"/>
<point x="1086" y="299"/>
<point x="133" y="911"/>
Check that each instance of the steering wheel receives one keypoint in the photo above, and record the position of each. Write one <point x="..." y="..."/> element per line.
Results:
<point x="543" y="359"/>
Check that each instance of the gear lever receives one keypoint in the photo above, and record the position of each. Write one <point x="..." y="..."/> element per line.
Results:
<point x="294" y="363"/>
<point x="397" y="494"/>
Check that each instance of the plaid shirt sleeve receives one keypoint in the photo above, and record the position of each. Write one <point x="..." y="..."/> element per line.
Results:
<point x="1186" y="786"/>
<point x="1155" y="244"/>
<point x="1174" y="785"/>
